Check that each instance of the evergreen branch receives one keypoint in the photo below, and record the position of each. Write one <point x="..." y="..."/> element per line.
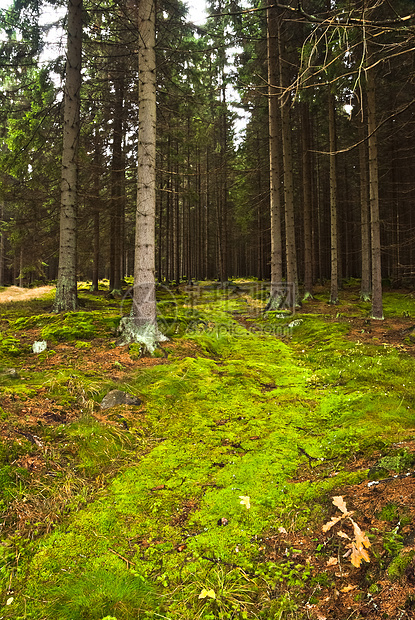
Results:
<point x="356" y="144"/>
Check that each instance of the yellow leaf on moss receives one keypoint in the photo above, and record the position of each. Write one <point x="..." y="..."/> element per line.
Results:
<point x="245" y="501"/>
<point x="207" y="593"/>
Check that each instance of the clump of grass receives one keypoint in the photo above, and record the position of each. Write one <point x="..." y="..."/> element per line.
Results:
<point x="105" y="587"/>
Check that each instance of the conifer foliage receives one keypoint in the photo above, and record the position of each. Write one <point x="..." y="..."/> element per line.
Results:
<point x="317" y="187"/>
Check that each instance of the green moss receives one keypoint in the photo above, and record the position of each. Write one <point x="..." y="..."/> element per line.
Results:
<point x="397" y="567"/>
<point x="247" y="415"/>
<point x="80" y="344"/>
<point x="400" y="462"/>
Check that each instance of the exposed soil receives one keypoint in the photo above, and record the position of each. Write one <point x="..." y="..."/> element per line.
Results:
<point x="367" y="591"/>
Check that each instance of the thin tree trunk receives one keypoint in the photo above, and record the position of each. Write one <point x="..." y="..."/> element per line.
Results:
<point x="307" y="201"/>
<point x="277" y="294"/>
<point x="95" y="266"/>
<point x="96" y="213"/>
<point x="334" y="283"/>
<point x="66" y="289"/>
<point x="117" y="173"/>
<point x="377" y="307"/>
<point x="365" y="287"/>
<point x="223" y="188"/>
<point x="290" y="242"/>
<point x="21" y="267"/>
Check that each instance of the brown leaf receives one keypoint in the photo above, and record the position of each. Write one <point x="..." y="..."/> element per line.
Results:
<point x="343" y="534"/>
<point x="361" y="538"/>
<point x="348" y="588"/>
<point x="339" y="502"/>
<point x="327" y="526"/>
<point x="332" y="562"/>
<point x="358" y="555"/>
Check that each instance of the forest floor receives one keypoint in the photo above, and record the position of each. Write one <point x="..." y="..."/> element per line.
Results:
<point x="211" y="499"/>
<point x="17" y="293"/>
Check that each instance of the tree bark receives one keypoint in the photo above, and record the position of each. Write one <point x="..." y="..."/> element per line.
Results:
<point x="307" y="201"/>
<point x="117" y="184"/>
<point x="334" y="282"/>
<point x="290" y="241"/>
<point x="277" y="294"/>
<point x="365" y="286"/>
<point x="377" y="307"/>
<point x="141" y="326"/>
<point x="66" y="289"/>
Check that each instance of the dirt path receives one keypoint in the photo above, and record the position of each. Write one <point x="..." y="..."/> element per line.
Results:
<point x="14" y="293"/>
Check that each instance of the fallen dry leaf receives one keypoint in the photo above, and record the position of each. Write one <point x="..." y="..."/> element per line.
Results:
<point x="361" y="538"/>
<point x="358" y="555"/>
<point x="327" y="526"/>
<point x="339" y="502"/>
<point x="348" y="588"/>
<point x="332" y="562"/>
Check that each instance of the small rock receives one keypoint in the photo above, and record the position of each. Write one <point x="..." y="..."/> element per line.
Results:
<point x="39" y="346"/>
<point x="11" y="373"/>
<point x="295" y="323"/>
<point x="118" y="397"/>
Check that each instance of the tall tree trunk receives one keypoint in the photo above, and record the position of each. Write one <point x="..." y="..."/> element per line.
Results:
<point x="290" y="241"/>
<point x="377" y="307"/>
<point x="277" y="294"/>
<point x="117" y="185"/>
<point x="334" y="283"/>
<point x="223" y="187"/>
<point x="144" y="308"/>
<point x="307" y="201"/>
<point x="365" y="286"/>
<point x="66" y="293"/>
<point x="96" y="209"/>
<point x="141" y="326"/>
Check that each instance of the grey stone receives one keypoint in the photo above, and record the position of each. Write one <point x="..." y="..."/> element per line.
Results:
<point x="10" y="373"/>
<point x="39" y="346"/>
<point x="118" y="397"/>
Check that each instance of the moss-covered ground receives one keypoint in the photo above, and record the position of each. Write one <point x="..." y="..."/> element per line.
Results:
<point x="207" y="500"/>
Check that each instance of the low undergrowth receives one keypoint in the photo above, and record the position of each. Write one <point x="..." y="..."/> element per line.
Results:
<point x="195" y="504"/>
